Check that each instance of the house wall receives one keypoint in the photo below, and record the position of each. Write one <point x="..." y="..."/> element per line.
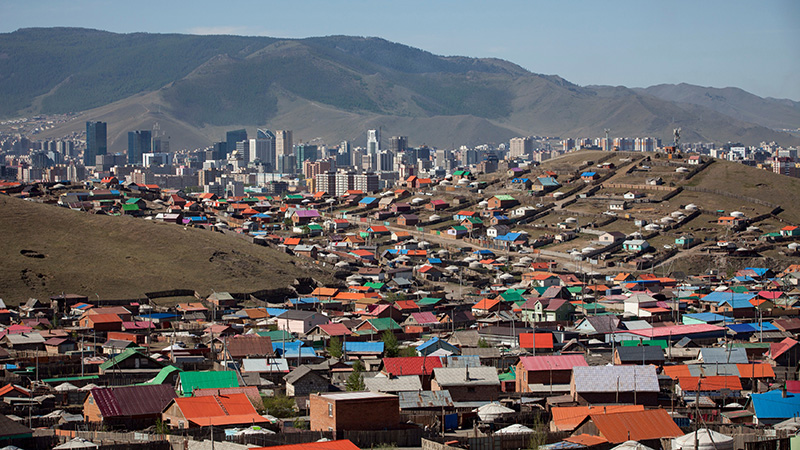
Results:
<point x="173" y="417"/>
<point x="357" y="414"/>
<point x="593" y="398"/>
<point x="91" y="412"/>
<point x="469" y="393"/>
<point x="306" y="385"/>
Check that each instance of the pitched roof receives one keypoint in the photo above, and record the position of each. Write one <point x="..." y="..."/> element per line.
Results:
<point x="192" y="380"/>
<point x="413" y="365"/>
<point x="636" y="426"/>
<point x="567" y="418"/>
<point x="248" y="346"/>
<point x="615" y="378"/>
<point x="554" y="362"/>
<point x="637" y="354"/>
<point x="127" y="401"/>
<point x="710" y="383"/>
<point x="219" y="410"/>
<point x="466" y="376"/>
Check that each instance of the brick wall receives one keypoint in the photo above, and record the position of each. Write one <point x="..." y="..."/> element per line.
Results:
<point x="376" y="413"/>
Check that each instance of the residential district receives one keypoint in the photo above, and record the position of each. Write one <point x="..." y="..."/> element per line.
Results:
<point x="496" y="303"/>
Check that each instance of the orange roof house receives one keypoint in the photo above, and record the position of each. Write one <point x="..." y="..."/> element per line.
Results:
<point x="568" y="418"/>
<point x="217" y="410"/>
<point x="342" y="444"/>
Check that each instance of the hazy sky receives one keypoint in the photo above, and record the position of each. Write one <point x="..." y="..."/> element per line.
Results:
<point x="754" y="45"/>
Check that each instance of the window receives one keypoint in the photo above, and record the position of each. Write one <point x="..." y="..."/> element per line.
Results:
<point x="330" y="409"/>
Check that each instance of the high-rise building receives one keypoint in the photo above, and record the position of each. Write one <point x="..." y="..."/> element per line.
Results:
<point x="326" y="182"/>
<point x="283" y="143"/>
<point x="521" y="147"/>
<point x="160" y="144"/>
<point x="139" y="142"/>
<point x="231" y="138"/>
<point x="96" y="142"/>
<point x="373" y="141"/>
<point x="366" y="182"/>
<point x="304" y="152"/>
<point x="399" y="144"/>
<point x="263" y="149"/>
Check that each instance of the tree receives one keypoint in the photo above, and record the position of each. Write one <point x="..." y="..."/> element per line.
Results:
<point x="279" y="406"/>
<point x="355" y="382"/>
<point x="393" y="297"/>
<point x="335" y="348"/>
<point x="482" y="343"/>
<point x="390" y="345"/>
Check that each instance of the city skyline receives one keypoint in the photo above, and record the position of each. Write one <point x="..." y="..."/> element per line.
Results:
<point x="636" y="44"/>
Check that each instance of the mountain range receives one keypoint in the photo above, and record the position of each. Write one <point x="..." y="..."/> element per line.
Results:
<point x="333" y="88"/>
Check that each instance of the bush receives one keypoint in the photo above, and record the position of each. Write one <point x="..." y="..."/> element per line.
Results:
<point x="280" y="406"/>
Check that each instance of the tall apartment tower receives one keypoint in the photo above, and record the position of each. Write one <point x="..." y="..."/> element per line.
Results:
<point x="263" y="149"/>
<point x="139" y="142"/>
<point x="231" y="138"/>
<point x="373" y="141"/>
<point x="96" y="142"/>
<point x="521" y="146"/>
<point x="283" y="142"/>
<point x="398" y="144"/>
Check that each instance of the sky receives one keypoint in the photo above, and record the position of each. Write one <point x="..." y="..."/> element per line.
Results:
<point x="753" y="45"/>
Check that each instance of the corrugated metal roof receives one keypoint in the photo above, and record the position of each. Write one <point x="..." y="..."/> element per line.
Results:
<point x="567" y="418"/>
<point x="772" y="405"/>
<point x="129" y="401"/>
<point x="425" y="399"/>
<point x="190" y="381"/>
<point x="270" y="365"/>
<point x="640" y="353"/>
<point x="723" y="355"/>
<point x="615" y="378"/>
<point x="413" y="365"/>
<point x="393" y="384"/>
<point x="364" y="347"/>
<point x="219" y="410"/>
<point x="466" y="376"/>
<point x="710" y="383"/>
<point x="636" y="426"/>
<point x="555" y="362"/>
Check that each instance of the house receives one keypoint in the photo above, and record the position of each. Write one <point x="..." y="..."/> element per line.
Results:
<point x="632" y="195"/>
<point x="684" y="241"/>
<point x="695" y="160"/>
<point x="101" y="322"/>
<point x="436" y="205"/>
<point x="248" y="346"/>
<point x="346" y="411"/>
<point x="790" y="231"/>
<point x="467" y="383"/>
<point x="644" y="354"/>
<point x="421" y="366"/>
<point x="536" y="342"/>
<point x="729" y="221"/>
<point x="497" y="230"/>
<point x="393" y="385"/>
<point x="211" y="410"/>
<point x="501" y="202"/>
<point x="617" y="205"/>
<point x="457" y="231"/>
<point x="437" y="345"/>
<point x="588" y="177"/>
<point x="367" y="349"/>
<point x="132" y="363"/>
<point x="540" y="279"/>
<point x="545" y="184"/>
<point x="368" y="202"/>
<point x="304" y="216"/>
<point x="407" y="220"/>
<point x="487" y="306"/>
<point x="615" y="384"/>
<point x="635" y="245"/>
<point x="59" y="346"/>
<point x="189" y="381"/>
<point x="23" y="341"/>
<point x="430" y="273"/>
<point x="131" y="407"/>
<point x="775" y="406"/>
<point x="301" y="322"/>
<point x="378" y="326"/>
<point x="303" y="381"/>
<point x="647" y="427"/>
<point x="461" y="215"/>
<point x="327" y="331"/>
<point x="784" y="353"/>
<point x="546" y="370"/>
<point x="611" y="237"/>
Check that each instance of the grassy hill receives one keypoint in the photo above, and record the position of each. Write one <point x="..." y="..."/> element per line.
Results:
<point x="197" y="86"/>
<point x="122" y="257"/>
